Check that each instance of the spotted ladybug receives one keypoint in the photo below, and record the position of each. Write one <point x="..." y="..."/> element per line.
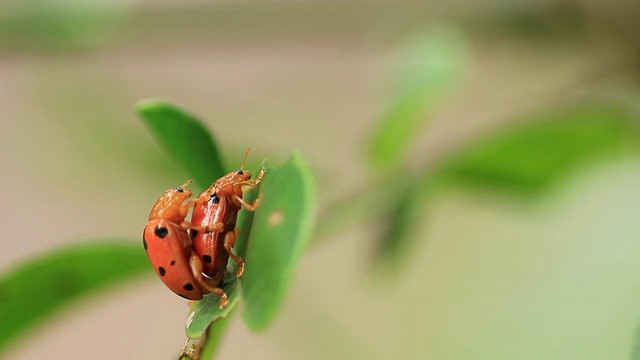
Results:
<point x="167" y="243"/>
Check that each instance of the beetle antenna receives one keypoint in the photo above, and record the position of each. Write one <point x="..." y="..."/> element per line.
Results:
<point x="246" y="156"/>
<point x="185" y="184"/>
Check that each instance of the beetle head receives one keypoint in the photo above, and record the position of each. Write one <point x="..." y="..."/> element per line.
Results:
<point x="231" y="183"/>
<point x="168" y="206"/>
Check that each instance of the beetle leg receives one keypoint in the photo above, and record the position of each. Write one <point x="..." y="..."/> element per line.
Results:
<point x="198" y="200"/>
<point x="259" y="177"/>
<point x="255" y="182"/>
<point x="209" y="228"/>
<point x="229" y="241"/>
<point x="196" y="269"/>
<point x="184" y="208"/>
<point x="215" y="227"/>
<point x="186" y="225"/>
<point x="250" y="207"/>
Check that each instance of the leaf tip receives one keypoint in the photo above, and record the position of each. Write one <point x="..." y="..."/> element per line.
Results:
<point x="146" y="105"/>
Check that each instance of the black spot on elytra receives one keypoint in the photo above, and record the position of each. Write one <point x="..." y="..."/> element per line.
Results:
<point x="161" y="232"/>
<point x="173" y="262"/>
<point x="214" y="199"/>
<point x="188" y="286"/>
<point x="161" y="271"/>
<point x="207" y="259"/>
<point x="144" y="243"/>
<point x="194" y="233"/>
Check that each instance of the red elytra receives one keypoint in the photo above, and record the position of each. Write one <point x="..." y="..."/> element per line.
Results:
<point x="169" y="249"/>
<point x="214" y="217"/>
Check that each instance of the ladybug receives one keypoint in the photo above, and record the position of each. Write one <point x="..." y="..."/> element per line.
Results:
<point x="216" y="213"/>
<point x="167" y="243"/>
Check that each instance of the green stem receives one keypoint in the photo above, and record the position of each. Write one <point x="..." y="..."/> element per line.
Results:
<point x="371" y="203"/>
<point x="205" y="347"/>
<point x="347" y="213"/>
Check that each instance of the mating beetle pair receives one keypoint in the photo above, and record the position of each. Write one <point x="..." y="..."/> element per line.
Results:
<point x="191" y="257"/>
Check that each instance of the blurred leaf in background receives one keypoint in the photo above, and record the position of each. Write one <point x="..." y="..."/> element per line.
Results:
<point x="45" y="284"/>
<point x="534" y="155"/>
<point x="429" y="66"/>
<point x="527" y="159"/>
<point x="553" y="21"/>
<point x="59" y="25"/>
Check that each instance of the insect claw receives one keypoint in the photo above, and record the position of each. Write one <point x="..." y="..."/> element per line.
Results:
<point x="223" y="301"/>
<point x="240" y="270"/>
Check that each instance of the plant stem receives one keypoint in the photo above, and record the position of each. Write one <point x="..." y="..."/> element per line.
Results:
<point x="205" y="347"/>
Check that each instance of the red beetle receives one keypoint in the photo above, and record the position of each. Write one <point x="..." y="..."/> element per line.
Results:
<point x="168" y="246"/>
<point x="214" y="220"/>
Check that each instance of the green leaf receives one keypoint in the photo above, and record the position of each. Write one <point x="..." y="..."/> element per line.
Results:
<point x="206" y="346"/>
<point x="186" y="139"/>
<point x="207" y="310"/>
<point x="280" y="232"/>
<point x="37" y="288"/>
<point x="433" y="63"/>
<point x="531" y="156"/>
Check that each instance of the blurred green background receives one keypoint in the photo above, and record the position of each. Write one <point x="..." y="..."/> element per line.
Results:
<point x="495" y="275"/>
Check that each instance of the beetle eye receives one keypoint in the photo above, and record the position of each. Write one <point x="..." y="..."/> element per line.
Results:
<point x="180" y="189"/>
<point x="239" y="172"/>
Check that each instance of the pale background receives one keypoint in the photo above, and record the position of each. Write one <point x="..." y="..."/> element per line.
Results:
<point x="494" y="278"/>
